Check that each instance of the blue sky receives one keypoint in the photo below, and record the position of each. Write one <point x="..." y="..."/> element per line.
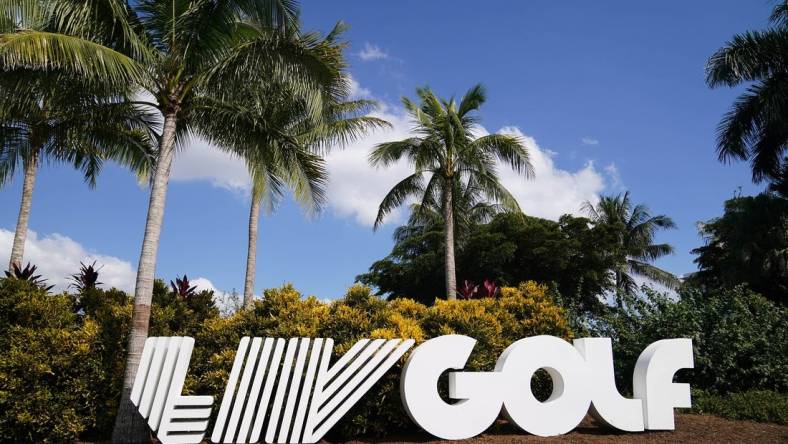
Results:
<point x="610" y="97"/>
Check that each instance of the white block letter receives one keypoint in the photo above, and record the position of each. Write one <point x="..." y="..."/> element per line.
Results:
<point x="570" y="399"/>
<point x="653" y="381"/>
<point x="607" y="404"/>
<point x="480" y="398"/>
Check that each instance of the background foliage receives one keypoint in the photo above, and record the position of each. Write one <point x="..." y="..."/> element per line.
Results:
<point x="62" y="362"/>
<point x="511" y="248"/>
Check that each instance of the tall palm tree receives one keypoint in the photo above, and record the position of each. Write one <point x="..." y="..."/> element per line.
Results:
<point x="185" y="54"/>
<point x="59" y="118"/>
<point x="53" y="118"/>
<point x="754" y="129"/>
<point x="470" y="208"/>
<point x="637" y="228"/>
<point x="283" y="144"/>
<point x="444" y="153"/>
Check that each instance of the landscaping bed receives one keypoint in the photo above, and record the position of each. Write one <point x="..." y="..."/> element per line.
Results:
<point x="689" y="428"/>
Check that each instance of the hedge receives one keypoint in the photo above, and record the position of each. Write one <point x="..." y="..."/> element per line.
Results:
<point x="61" y="373"/>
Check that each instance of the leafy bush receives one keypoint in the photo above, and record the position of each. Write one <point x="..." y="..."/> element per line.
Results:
<point x="754" y="405"/>
<point x="740" y="338"/>
<point x="65" y="353"/>
<point x="512" y="248"/>
<point x="495" y="323"/>
<point x="47" y="367"/>
<point x="63" y="356"/>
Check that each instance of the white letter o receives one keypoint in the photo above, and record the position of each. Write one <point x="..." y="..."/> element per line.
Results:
<point x="570" y="399"/>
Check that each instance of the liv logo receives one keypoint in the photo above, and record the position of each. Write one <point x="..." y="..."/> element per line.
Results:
<point x="286" y="391"/>
<point x="286" y="388"/>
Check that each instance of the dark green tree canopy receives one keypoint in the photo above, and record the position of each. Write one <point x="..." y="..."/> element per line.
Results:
<point x="748" y="244"/>
<point x="754" y="129"/>
<point x="511" y="248"/>
<point x="636" y="230"/>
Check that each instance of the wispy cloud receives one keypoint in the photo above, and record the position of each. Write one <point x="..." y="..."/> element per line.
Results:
<point x="616" y="184"/>
<point x="372" y="52"/>
<point x="589" y="141"/>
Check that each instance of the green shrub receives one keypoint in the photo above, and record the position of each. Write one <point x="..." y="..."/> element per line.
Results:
<point x="754" y="405"/>
<point x="48" y="366"/>
<point x="66" y="354"/>
<point x="63" y="357"/>
<point x="740" y="338"/>
<point x="519" y="312"/>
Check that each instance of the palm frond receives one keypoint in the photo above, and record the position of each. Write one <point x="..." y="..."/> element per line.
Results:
<point x="410" y="186"/>
<point x="51" y="51"/>
<point x="653" y="273"/>
<point x="748" y="57"/>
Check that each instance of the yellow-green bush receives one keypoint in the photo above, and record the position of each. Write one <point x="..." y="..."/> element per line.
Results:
<point x="48" y="366"/>
<point x="524" y="311"/>
<point x="63" y="355"/>
<point x="63" y="358"/>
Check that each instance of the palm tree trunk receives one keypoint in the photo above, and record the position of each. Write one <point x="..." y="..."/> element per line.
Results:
<point x="130" y="427"/>
<point x="448" y="216"/>
<point x="251" y="252"/>
<point x="18" y="248"/>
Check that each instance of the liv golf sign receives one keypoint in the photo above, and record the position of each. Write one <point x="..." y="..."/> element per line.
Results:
<point x="287" y="391"/>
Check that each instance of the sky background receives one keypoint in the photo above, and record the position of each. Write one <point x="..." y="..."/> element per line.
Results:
<point x="609" y="96"/>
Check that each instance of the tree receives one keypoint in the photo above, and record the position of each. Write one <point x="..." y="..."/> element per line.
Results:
<point x="511" y="248"/>
<point x="754" y="129"/>
<point x="748" y="244"/>
<point x="56" y="118"/>
<point x="284" y="144"/>
<point x="185" y="54"/>
<point x="470" y="209"/>
<point x="636" y="228"/>
<point x="446" y="152"/>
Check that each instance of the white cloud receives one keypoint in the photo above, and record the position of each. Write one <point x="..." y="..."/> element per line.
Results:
<point x="355" y="188"/>
<point x="58" y="257"/>
<point x="227" y="302"/>
<point x="615" y="177"/>
<point x="357" y="91"/>
<point x="372" y="52"/>
<point x="199" y="160"/>
<point x="552" y="192"/>
<point x="589" y="141"/>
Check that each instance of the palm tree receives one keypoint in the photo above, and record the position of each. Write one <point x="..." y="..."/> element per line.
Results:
<point x="283" y="144"/>
<point x="754" y="129"/>
<point x="636" y="227"/>
<point x="185" y="54"/>
<point x="446" y="152"/>
<point x="53" y="118"/>
<point x="470" y="208"/>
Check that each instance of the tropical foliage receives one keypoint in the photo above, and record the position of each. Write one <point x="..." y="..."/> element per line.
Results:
<point x="63" y="351"/>
<point x="635" y="228"/>
<point x="191" y="57"/>
<point x="572" y="254"/>
<point x="51" y="118"/>
<point x="27" y="274"/>
<point x="739" y="337"/>
<point x="754" y="129"/>
<point x="86" y="278"/>
<point x="748" y="244"/>
<point x="283" y="143"/>
<point x="447" y="155"/>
